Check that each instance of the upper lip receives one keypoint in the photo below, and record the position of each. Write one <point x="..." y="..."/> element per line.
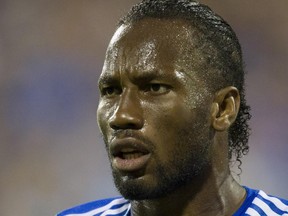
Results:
<point x="129" y="144"/>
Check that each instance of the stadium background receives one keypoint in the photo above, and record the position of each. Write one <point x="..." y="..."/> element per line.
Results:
<point x="51" y="54"/>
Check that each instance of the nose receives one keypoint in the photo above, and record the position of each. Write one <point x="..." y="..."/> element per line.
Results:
<point x="128" y="113"/>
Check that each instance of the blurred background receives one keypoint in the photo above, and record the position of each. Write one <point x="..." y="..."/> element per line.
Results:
<point x="51" y="53"/>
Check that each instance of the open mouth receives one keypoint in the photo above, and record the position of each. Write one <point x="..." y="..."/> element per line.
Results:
<point x="128" y="154"/>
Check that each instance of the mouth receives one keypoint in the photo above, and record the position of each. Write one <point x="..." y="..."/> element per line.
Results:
<point x="129" y="155"/>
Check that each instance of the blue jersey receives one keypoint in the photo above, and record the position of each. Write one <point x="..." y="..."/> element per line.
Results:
<point x="257" y="203"/>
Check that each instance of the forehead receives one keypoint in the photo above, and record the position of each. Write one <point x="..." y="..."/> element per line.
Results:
<point x="161" y="31"/>
<point x="152" y="42"/>
<point x="161" y="26"/>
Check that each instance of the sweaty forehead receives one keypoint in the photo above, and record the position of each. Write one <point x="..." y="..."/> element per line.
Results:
<point x="150" y="42"/>
<point x="157" y="29"/>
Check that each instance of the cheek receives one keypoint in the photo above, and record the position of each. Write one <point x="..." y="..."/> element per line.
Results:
<point x="103" y="114"/>
<point x="165" y="122"/>
<point x="173" y="115"/>
<point x="176" y="124"/>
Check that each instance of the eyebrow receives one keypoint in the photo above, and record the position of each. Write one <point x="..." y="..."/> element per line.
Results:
<point x="146" y="76"/>
<point x="149" y="75"/>
<point x="107" y="79"/>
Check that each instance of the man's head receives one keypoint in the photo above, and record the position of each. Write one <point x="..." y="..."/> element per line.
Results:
<point x="215" y="37"/>
<point x="166" y="83"/>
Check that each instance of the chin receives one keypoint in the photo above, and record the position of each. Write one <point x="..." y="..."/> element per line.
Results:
<point x="135" y="187"/>
<point x="146" y="187"/>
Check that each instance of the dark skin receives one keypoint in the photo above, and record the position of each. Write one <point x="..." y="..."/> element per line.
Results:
<point x="150" y="93"/>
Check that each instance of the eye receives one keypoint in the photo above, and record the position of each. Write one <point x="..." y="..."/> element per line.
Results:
<point x="157" y="88"/>
<point x="110" y="91"/>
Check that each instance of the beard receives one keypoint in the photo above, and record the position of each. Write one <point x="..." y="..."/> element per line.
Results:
<point x="189" y="161"/>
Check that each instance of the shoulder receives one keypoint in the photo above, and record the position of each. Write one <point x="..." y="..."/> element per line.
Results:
<point x="116" y="206"/>
<point x="258" y="203"/>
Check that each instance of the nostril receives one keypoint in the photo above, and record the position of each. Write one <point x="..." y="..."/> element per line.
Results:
<point x="128" y="126"/>
<point x="124" y="121"/>
<point x="125" y="125"/>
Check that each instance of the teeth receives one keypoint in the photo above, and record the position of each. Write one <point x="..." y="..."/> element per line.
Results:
<point x="127" y="150"/>
<point x="129" y="156"/>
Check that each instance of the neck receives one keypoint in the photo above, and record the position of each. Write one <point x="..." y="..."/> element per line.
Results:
<point x="223" y="199"/>
<point x="215" y="193"/>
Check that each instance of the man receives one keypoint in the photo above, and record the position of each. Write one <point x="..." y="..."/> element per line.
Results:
<point x="173" y="116"/>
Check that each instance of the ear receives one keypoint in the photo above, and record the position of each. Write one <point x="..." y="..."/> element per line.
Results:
<point x="225" y="108"/>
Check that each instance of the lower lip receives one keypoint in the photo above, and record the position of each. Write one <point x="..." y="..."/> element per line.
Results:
<point x="130" y="165"/>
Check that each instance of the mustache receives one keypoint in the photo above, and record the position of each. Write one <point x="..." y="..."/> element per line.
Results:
<point x="122" y="134"/>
